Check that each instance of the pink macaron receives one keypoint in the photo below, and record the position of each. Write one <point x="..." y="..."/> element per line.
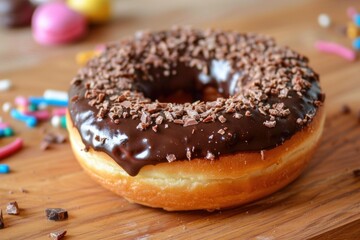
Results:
<point x="55" y="23"/>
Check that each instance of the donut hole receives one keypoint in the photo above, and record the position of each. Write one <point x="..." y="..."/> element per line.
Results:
<point x="188" y="84"/>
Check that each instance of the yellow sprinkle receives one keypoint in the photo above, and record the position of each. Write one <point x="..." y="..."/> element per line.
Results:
<point x="352" y="31"/>
<point x="83" y="57"/>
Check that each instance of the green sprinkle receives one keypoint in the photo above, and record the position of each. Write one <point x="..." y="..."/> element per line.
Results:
<point x="8" y="132"/>
<point x="63" y="122"/>
<point x="32" y="107"/>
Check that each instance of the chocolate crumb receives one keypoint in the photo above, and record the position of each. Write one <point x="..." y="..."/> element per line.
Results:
<point x="60" y="138"/>
<point x="12" y="208"/>
<point x="222" y="119"/>
<point x="56" y="214"/>
<point x="237" y="115"/>
<point x="154" y="128"/>
<point x="190" y="122"/>
<point x="159" y="120"/>
<point x="188" y="154"/>
<point x="44" y="145"/>
<point x="221" y="131"/>
<point x="58" y="235"/>
<point x="356" y="173"/>
<point x="141" y="126"/>
<point x="270" y="124"/>
<point x="345" y="109"/>
<point x="170" y="157"/>
<point x="23" y="190"/>
<point x="74" y="98"/>
<point x="49" y="137"/>
<point x="2" y="224"/>
<point x="210" y="156"/>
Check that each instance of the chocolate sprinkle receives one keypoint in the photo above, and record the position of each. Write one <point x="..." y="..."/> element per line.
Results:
<point x="356" y="173"/>
<point x="12" y="208"/>
<point x="345" y="109"/>
<point x="56" y="214"/>
<point x="2" y="224"/>
<point x="58" y="235"/>
<point x="119" y="92"/>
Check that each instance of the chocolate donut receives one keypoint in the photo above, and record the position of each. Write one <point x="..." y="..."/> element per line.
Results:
<point x="187" y="98"/>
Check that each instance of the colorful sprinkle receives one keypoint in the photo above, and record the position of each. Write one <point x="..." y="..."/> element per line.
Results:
<point x="11" y="148"/>
<point x="21" y="101"/>
<point x="335" y="48"/>
<point x="63" y="121"/>
<point x="356" y="43"/>
<point x="83" y="57"/>
<point x="39" y="115"/>
<point x="356" y="19"/>
<point x="59" y="111"/>
<point x="324" y="20"/>
<point x="5" y="85"/>
<point x="56" y="95"/>
<point x="6" y="106"/>
<point x="8" y="132"/>
<point x="49" y="102"/>
<point x="55" y="121"/>
<point x="352" y="31"/>
<point x="29" y="120"/>
<point x="351" y="12"/>
<point x="4" y="125"/>
<point x="4" y="168"/>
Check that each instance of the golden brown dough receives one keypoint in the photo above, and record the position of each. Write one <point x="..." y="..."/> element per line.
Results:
<point x="228" y="181"/>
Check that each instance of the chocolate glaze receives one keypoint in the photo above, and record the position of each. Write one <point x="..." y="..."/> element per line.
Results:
<point x="132" y="149"/>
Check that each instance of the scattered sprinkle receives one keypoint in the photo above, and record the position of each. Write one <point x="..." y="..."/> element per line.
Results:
<point x="58" y="235"/>
<point x="11" y="148"/>
<point x="56" y="214"/>
<point x="170" y="157"/>
<point x="356" y="173"/>
<point x="6" y="107"/>
<point x="2" y="224"/>
<point x="335" y="48"/>
<point x="12" y="208"/>
<point x="210" y="156"/>
<point x="345" y="109"/>
<point x="324" y="20"/>
<point x="4" y="168"/>
<point x="5" y="85"/>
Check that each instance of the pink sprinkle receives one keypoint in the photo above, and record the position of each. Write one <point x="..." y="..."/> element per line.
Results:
<point x="59" y="111"/>
<point x="100" y="47"/>
<point x="11" y="148"/>
<point x="22" y="101"/>
<point x="335" y="48"/>
<point x="39" y="115"/>
<point x="351" y="12"/>
<point x="4" y="125"/>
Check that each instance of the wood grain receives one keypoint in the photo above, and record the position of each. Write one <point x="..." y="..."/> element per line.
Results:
<point x="324" y="203"/>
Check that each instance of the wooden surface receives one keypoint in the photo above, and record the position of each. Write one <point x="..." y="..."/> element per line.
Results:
<point x="324" y="203"/>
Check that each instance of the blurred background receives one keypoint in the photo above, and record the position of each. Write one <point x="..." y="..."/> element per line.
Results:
<point x="292" y="23"/>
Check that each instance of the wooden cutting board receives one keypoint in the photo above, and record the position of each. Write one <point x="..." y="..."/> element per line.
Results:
<point x="324" y="203"/>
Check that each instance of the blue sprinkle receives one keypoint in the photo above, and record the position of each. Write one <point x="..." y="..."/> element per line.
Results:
<point x="2" y="132"/>
<point x="29" y="120"/>
<point x="4" y="169"/>
<point x="357" y="20"/>
<point x="49" y="102"/>
<point x="356" y="43"/>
